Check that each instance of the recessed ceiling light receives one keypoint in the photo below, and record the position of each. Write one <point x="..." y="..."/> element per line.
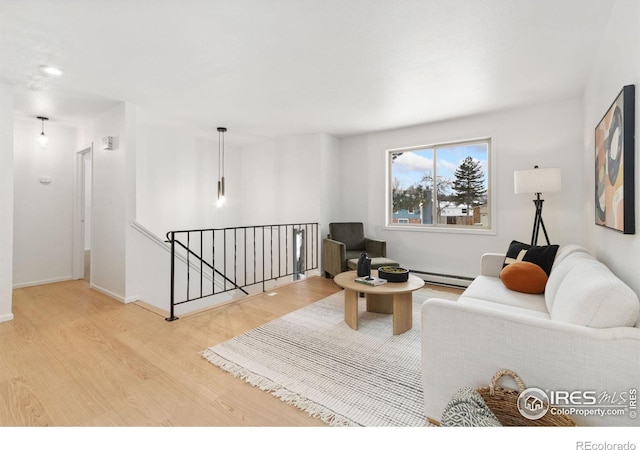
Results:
<point x="52" y="70"/>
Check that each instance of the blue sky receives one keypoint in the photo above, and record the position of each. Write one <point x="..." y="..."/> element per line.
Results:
<point x="411" y="166"/>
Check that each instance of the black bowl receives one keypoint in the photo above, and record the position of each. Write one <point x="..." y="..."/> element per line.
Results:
<point x="393" y="274"/>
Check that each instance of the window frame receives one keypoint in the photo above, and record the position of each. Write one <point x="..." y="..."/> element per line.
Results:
<point x="436" y="227"/>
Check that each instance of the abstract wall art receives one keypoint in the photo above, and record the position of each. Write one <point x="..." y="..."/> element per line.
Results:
<point x="614" y="164"/>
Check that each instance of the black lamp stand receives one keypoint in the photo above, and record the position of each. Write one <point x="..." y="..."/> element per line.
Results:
<point x="537" y="222"/>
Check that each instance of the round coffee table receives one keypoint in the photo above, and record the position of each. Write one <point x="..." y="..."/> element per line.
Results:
<point x="388" y="298"/>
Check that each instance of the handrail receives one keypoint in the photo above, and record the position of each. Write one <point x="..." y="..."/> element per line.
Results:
<point x="162" y="244"/>
<point x="202" y="261"/>
<point x="241" y="256"/>
<point x="242" y="227"/>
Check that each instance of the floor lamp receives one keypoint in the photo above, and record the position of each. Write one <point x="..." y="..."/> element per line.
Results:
<point x="536" y="181"/>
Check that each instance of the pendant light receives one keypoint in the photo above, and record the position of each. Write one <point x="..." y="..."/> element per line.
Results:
<point x="43" y="137"/>
<point x="221" y="198"/>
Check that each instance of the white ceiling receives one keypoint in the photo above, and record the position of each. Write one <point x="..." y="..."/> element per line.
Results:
<point x="272" y="68"/>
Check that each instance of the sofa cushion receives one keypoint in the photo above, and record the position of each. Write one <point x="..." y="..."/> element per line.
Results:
<point x="560" y="270"/>
<point x="540" y="255"/>
<point x="353" y="254"/>
<point x="503" y="308"/>
<point x="590" y="294"/>
<point x="523" y="276"/>
<point x="566" y="250"/>
<point x="492" y="289"/>
<point x="376" y="263"/>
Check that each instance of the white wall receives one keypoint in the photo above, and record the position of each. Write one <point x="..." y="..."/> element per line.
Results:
<point x="176" y="178"/>
<point x="109" y="203"/>
<point x="6" y="201"/>
<point x="616" y="64"/>
<point x="290" y="180"/>
<point x="548" y="135"/>
<point x="330" y="179"/>
<point x="293" y="180"/>
<point x="43" y="212"/>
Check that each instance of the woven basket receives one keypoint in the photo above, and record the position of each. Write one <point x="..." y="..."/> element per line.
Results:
<point x="504" y="404"/>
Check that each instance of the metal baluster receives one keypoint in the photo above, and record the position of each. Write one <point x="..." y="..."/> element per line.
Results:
<point x="188" y="264"/>
<point x="172" y="315"/>
<point x="308" y="250"/>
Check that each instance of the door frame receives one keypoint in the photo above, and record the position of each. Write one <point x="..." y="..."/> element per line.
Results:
<point x="79" y="210"/>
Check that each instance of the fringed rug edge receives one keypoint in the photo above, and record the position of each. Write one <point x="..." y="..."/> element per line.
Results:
<point x="310" y="407"/>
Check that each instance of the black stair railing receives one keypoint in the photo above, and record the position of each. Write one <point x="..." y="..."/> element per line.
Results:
<point x="219" y="260"/>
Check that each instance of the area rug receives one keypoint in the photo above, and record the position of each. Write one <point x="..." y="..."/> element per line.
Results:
<point x="311" y="359"/>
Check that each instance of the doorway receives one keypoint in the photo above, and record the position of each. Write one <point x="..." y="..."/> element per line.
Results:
<point x="82" y="213"/>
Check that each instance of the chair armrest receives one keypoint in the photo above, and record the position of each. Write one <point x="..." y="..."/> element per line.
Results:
<point x="334" y="255"/>
<point x="491" y="264"/>
<point x="375" y="247"/>
<point x="465" y="345"/>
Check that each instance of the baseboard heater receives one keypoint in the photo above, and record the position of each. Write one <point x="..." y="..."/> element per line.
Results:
<point x="442" y="278"/>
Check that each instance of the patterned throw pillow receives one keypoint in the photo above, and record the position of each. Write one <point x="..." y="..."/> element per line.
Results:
<point x="467" y="409"/>
<point x="543" y="256"/>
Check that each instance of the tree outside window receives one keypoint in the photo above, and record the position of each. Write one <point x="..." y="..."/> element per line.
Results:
<point x="440" y="186"/>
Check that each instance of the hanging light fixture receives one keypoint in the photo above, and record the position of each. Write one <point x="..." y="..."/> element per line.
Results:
<point x="221" y="199"/>
<point x="43" y="137"/>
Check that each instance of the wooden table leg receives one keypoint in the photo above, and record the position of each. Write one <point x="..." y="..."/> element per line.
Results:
<point x="402" y="312"/>
<point x="380" y="303"/>
<point x="351" y="308"/>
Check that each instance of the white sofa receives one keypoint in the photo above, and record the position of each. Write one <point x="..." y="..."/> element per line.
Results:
<point x="583" y="333"/>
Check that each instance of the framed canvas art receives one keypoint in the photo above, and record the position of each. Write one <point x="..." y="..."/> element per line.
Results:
<point x="614" y="164"/>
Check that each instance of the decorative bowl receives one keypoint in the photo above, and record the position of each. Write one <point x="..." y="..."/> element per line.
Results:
<point x="393" y="274"/>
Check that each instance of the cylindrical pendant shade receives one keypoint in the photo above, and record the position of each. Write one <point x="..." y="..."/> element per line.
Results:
<point x="221" y="198"/>
<point x="537" y="181"/>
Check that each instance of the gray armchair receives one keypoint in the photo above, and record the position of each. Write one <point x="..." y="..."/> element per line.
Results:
<point x="346" y="241"/>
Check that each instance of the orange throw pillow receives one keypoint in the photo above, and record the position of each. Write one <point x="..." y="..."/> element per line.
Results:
<point x="523" y="276"/>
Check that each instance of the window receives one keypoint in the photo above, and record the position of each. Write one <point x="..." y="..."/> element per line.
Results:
<point x="440" y="186"/>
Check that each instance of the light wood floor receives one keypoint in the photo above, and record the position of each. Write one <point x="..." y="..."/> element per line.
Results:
<point x="74" y="357"/>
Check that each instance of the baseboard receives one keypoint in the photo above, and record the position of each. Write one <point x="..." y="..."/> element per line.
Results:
<point x="443" y="279"/>
<point x="6" y="317"/>
<point x="40" y="282"/>
<point x="108" y="293"/>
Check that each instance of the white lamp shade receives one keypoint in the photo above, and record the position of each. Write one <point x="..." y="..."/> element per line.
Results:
<point x="537" y="181"/>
